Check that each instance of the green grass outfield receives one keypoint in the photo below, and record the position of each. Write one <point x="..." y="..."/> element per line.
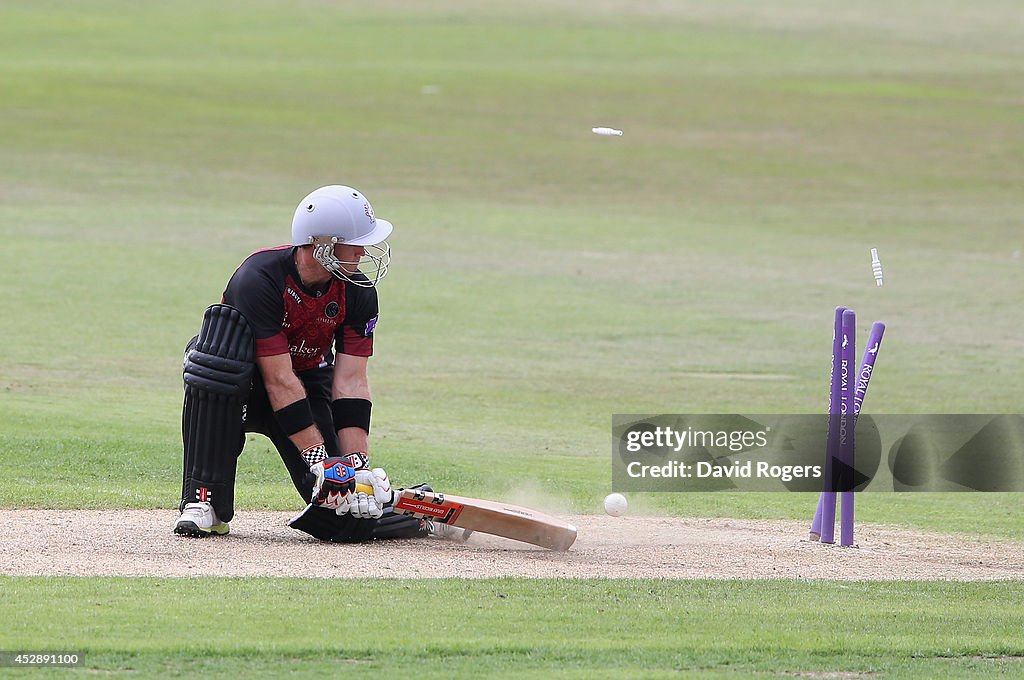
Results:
<point x="523" y="628"/>
<point x="544" y="278"/>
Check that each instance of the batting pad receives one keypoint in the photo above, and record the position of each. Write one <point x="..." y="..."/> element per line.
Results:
<point x="217" y="373"/>
<point x="324" y="524"/>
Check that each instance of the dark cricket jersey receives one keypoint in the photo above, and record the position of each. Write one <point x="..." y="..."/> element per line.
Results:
<point x="288" y="317"/>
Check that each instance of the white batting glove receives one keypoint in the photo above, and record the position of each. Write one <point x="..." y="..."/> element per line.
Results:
<point x="367" y="506"/>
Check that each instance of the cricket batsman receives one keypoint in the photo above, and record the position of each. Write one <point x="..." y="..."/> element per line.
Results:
<point x="285" y="354"/>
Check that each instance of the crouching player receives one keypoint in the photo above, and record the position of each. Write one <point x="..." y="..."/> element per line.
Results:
<point x="285" y="355"/>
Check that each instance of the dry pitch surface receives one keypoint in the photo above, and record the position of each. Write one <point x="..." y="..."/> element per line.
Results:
<point x="140" y="543"/>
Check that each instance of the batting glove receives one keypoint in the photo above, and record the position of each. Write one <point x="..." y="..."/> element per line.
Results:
<point x="334" y="486"/>
<point x="371" y="506"/>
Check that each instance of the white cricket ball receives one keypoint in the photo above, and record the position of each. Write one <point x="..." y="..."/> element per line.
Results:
<point x="615" y="504"/>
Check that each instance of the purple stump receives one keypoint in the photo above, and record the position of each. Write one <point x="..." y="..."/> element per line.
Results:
<point x="867" y="367"/>
<point x="823" y="526"/>
<point x="860" y="391"/>
<point x="848" y="365"/>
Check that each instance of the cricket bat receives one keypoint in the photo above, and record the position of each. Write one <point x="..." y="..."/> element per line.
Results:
<point x="490" y="517"/>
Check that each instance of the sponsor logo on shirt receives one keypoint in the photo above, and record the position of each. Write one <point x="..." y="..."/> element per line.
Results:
<point x="302" y="349"/>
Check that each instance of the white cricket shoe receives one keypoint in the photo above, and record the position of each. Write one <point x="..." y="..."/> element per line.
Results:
<point x="447" y="531"/>
<point x="199" y="520"/>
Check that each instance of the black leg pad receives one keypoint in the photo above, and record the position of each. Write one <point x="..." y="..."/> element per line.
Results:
<point x="217" y="373"/>
<point x="324" y="524"/>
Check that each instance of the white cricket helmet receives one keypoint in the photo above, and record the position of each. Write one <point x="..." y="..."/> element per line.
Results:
<point x="338" y="214"/>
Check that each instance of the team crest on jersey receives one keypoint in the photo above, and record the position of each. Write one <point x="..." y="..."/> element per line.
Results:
<point x="370" y="325"/>
<point x="331" y="310"/>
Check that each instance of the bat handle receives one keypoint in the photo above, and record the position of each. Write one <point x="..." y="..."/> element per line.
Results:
<point x="364" y="488"/>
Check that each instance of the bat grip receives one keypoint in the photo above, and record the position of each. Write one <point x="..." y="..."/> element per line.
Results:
<point x="364" y="488"/>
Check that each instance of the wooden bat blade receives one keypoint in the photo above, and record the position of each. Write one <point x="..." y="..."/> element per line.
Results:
<point x="490" y="517"/>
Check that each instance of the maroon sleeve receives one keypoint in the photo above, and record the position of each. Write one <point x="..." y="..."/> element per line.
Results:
<point x="355" y="334"/>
